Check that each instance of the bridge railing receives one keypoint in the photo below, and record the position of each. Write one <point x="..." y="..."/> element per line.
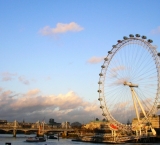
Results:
<point x="46" y="128"/>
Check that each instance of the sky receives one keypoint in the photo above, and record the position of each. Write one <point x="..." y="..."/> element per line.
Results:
<point x="51" y="53"/>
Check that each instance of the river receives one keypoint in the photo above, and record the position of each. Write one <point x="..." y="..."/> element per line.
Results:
<point x="20" y="140"/>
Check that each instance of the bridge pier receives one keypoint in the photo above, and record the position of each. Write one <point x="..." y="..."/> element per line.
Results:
<point x="14" y="128"/>
<point x="65" y="133"/>
<point x="39" y="134"/>
<point x="14" y="132"/>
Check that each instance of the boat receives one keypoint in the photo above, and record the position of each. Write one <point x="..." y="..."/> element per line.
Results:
<point x="96" y="139"/>
<point x="77" y="140"/>
<point x="35" y="139"/>
<point x="52" y="137"/>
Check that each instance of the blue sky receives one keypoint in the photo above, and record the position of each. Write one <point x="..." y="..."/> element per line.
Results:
<point x="54" y="48"/>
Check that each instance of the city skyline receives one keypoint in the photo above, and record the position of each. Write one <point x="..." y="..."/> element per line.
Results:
<point x="51" y="54"/>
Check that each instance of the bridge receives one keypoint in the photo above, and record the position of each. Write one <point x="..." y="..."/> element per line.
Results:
<point x="39" y="127"/>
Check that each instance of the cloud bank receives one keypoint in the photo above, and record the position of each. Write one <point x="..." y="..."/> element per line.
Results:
<point x="33" y="106"/>
<point x="61" y="28"/>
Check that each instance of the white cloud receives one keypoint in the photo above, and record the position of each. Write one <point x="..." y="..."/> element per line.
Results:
<point x="114" y="71"/>
<point x="6" y="93"/>
<point x="94" y="60"/>
<point x="33" y="92"/>
<point x="1" y="89"/>
<point x="61" y="28"/>
<point x="7" y="76"/>
<point x="156" y="30"/>
<point x="120" y="81"/>
<point x="23" y="80"/>
<point x="48" y="78"/>
<point x="118" y="68"/>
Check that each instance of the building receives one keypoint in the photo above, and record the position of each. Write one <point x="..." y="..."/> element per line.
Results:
<point x="154" y="120"/>
<point x="98" y="126"/>
<point x="53" y="123"/>
<point x="3" y="121"/>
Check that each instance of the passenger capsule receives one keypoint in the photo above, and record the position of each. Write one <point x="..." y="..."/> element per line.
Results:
<point x="110" y="52"/>
<point x="150" y="41"/>
<point x="100" y="99"/>
<point x="131" y="35"/>
<point x="158" y="106"/>
<point x="99" y="91"/>
<point x="99" y="82"/>
<point x="106" y="59"/>
<point x="101" y="107"/>
<point x="144" y="37"/>
<point x="125" y="38"/>
<point x="100" y="74"/>
<point x="137" y="35"/>
<point x="119" y="41"/>
<point x="104" y="114"/>
<point x="114" y="46"/>
<point x="102" y="66"/>
<point x="158" y="54"/>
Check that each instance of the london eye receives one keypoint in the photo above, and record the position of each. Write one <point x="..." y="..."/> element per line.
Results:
<point x="129" y="82"/>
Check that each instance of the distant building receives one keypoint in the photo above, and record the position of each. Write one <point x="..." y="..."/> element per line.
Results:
<point x="65" y="125"/>
<point x="3" y="121"/>
<point x="154" y="120"/>
<point x="53" y="123"/>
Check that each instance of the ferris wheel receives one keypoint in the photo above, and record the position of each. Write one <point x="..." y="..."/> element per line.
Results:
<point x="129" y="82"/>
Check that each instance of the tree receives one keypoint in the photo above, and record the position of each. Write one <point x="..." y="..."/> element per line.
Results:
<point x="104" y="119"/>
<point x="128" y="122"/>
<point x="76" y="125"/>
<point x="97" y="119"/>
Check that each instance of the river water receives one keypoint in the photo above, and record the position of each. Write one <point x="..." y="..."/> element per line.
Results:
<point x="20" y="140"/>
